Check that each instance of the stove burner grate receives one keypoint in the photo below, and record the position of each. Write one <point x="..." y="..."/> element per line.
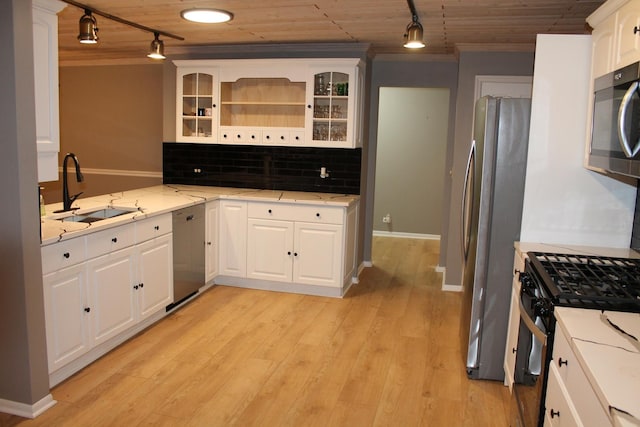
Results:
<point x="589" y="281"/>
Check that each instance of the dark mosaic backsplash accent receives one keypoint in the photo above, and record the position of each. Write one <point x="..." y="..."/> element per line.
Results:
<point x="635" y="235"/>
<point x="272" y="168"/>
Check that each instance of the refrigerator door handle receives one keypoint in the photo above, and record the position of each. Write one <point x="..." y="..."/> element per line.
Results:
<point x="467" y="202"/>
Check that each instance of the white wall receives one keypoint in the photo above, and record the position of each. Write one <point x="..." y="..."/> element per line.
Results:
<point x="564" y="203"/>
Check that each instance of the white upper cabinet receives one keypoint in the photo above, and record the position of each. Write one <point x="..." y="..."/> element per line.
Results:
<point x="616" y="35"/>
<point x="45" y="55"/>
<point x="283" y="102"/>
<point x="333" y="120"/>
<point x="197" y="101"/>
<point x="627" y="35"/>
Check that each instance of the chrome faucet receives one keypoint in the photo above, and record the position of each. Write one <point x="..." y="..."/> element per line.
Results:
<point x="66" y="200"/>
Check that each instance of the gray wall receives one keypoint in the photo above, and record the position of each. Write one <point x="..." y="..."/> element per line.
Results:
<point x="23" y="354"/>
<point x="403" y="71"/>
<point x="471" y="64"/>
<point x="410" y="160"/>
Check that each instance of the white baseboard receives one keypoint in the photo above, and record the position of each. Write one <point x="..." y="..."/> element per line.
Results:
<point x="380" y="233"/>
<point x="25" y="410"/>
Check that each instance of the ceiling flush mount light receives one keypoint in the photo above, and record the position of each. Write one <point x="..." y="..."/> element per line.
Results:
<point x="207" y="16"/>
<point x="156" y="51"/>
<point x="88" y="28"/>
<point x="414" y="35"/>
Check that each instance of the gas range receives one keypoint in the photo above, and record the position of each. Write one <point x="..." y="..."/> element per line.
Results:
<point x="552" y="280"/>
<point x="586" y="281"/>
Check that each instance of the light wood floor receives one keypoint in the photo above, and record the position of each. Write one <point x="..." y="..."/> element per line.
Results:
<point x="386" y="355"/>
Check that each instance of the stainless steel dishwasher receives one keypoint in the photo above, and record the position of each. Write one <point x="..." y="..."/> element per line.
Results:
<point x="188" y="253"/>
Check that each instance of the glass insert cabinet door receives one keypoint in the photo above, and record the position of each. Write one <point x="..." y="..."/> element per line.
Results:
<point x="198" y="105"/>
<point x="330" y="106"/>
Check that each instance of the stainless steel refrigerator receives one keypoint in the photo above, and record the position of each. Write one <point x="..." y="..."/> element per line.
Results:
<point x="491" y="218"/>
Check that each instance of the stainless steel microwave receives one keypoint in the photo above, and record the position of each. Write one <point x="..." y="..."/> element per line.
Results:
<point x="615" y="129"/>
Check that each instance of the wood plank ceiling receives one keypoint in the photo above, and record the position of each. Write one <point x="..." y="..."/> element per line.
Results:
<point x="448" y="24"/>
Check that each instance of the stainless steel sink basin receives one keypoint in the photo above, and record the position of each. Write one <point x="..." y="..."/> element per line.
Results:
<point x="93" y="215"/>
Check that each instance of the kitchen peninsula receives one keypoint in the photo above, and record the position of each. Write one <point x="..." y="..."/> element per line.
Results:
<point x="107" y="278"/>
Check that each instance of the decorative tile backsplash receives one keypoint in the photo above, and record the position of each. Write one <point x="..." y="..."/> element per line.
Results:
<point x="272" y="168"/>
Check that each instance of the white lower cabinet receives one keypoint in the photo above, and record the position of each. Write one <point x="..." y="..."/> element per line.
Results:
<point x="302" y="244"/>
<point x="271" y="252"/>
<point x="233" y="238"/>
<point x="66" y="306"/>
<point x="155" y="276"/>
<point x="111" y="281"/>
<point x="108" y="291"/>
<point x="559" y="410"/>
<point x="211" y="240"/>
<point x="294" y="251"/>
<point x="571" y="400"/>
<point x="318" y="254"/>
<point x="514" y="321"/>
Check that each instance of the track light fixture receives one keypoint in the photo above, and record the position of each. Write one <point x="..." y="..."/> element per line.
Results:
<point x="89" y="29"/>
<point x="157" y="48"/>
<point x="414" y="34"/>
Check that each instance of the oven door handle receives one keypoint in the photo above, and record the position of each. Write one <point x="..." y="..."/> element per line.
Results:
<point x="531" y="326"/>
<point x="622" y="123"/>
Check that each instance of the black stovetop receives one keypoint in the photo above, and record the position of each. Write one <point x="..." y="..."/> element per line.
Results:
<point x="587" y="281"/>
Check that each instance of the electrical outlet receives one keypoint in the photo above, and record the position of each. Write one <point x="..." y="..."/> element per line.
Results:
<point x="387" y="219"/>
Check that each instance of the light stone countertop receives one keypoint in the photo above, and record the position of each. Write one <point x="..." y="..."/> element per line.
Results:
<point x="156" y="200"/>
<point x="609" y="358"/>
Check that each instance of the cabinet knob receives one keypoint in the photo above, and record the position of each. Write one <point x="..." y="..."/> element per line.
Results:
<point x="157" y="227"/>
<point x="514" y="350"/>
<point x="209" y="243"/>
<point x="214" y="105"/>
<point x="636" y="30"/>
<point x="87" y="309"/>
<point x="281" y="136"/>
<point x="253" y="137"/>
<point x="269" y="210"/>
<point x="268" y="136"/>
<point x="295" y="254"/>
<point x="66" y="255"/>
<point x="142" y="285"/>
<point x="135" y="287"/>
<point x="562" y="362"/>
<point x="297" y="137"/>
<point x="289" y="253"/>
<point x="318" y="214"/>
<point x="554" y="413"/>
<point x="308" y="106"/>
<point x="114" y="240"/>
<point x="238" y="136"/>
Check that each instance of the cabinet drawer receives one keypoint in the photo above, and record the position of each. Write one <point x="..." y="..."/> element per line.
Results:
<point x="112" y="239"/>
<point x="63" y="254"/>
<point x="559" y="411"/>
<point x="275" y="137"/>
<point x="150" y="228"/>
<point x="306" y="213"/>
<point x="576" y="383"/>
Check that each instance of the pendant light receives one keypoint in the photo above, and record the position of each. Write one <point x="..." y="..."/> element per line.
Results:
<point x="88" y="28"/>
<point x="414" y="34"/>
<point x="156" y="51"/>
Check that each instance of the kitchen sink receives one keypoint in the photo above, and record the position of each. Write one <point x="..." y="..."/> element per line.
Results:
<point x="88" y="216"/>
